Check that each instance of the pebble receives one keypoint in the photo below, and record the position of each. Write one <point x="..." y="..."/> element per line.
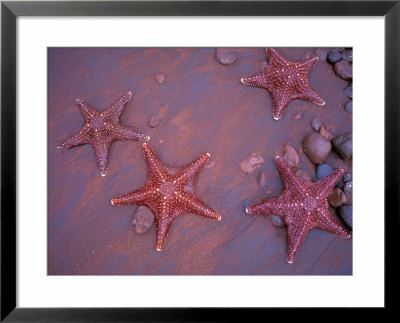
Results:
<point x="262" y="179"/>
<point x="225" y="56"/>
<point x="346" y="213"/>
<point x="304" y="175"/>
<point x="349" y="106"/>
<point x="143" y="219"/>
<point x="322" y="171"/>
<point x="334" y="56"/>
<point x="277" y="221"/>
<point x="325" y="133"/>
<point x="159" y="117"/>
<point x="348" y="188"/>
<point x="348" y="55"/>
<point x="160" y="78"/>
<point x="316" y="124"/>
<point x="343" y="145"/>
<point x="344" y="70"/>
<point x="290" y="156"/>
<point x="317" y="148"/>
<point x="346" y="177"/>
<point x="337" y="197"/>
<point x="251" y="163"/>
<point x="349" y="91"/>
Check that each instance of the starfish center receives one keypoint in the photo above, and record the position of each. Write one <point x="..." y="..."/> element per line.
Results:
<point x="98" y="124"/>
<point x="167" y="189"/>
<point x="310" y="203"/>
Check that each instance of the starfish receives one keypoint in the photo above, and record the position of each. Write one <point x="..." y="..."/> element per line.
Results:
<point x="286" y="81"/>
<point x="101" y="129"/>
<point x="303" y="206"/>
<point x="168" y="193"/>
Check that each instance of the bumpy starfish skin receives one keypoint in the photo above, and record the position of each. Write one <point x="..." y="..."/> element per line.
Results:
<point x="168" y="193"/>
<point x="286" y="81"/>
<point x="101" y="129"/>
<point x="303" y="206"/>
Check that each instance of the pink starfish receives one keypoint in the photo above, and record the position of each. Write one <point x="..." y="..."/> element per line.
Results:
<point x="286" y="81"/>
<point x="101" y="129"/>
<point x="303" y="206"/>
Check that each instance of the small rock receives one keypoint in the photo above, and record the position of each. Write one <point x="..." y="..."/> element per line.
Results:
<point x="262" y="179"/>
<point x="225" y="56"/>
<point x="316" y="124"/>
<point x="349" y="106"/>
<point x="143" y="219"/>
<point x="297" y="116"/>
<point x="277" y="221"/>
<point x="344" y="70"/>
<point x="290" y="156"/>
<point x="337" y="197"/>
<point x="160" y="78"/>
<point x="348" y="188"/>
<point x="325" y="133"/>
<point x="346" y="177"/>
<point x="349" y="91"/>
<point x="343" y="145"/>
<point x="334" y="56"/>
<point x="317" y="148"/>
<point x="159" y="117"/>
<point x="346" y="213"/>
<point x="304" y="175"/>
<point x="251" y="163"/>
<point x="322" y="171"/>
<point x="348" y="55"/>
<point x="322" y="53"/>
<point x="210" y="164"/>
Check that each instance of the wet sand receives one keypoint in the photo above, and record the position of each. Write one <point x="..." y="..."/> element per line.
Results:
<point x="209" y="111"/>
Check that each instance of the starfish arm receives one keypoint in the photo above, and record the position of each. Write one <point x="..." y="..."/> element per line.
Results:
<point x="290" y="179"/>
<point x="142" y="196"/>
<point x="280" y="100"/>
<point x="163" y="224"/>
<point x="296" y="236"/>
<point x="326" y="184"/>
<point x="257" y="80"/>
<point x="101" y="147"/>
<point x="312" y="96"/>
<point x="121" y="132"/>
<point x="327" y="222"/>
<point x="80" y="138"/>
<point x="309" y="64"/>
<point x="274" y="57"/>
<point x="115" y="110"/>
<point x="156" y="169"/>
<point x="190" y="172"/>
<point x="192" y="204"/>
<point x="274" y="206"/>
<point x="86" y="110"/>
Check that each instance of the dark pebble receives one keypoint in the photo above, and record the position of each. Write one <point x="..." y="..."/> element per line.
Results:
<point x="346" y="213"/>
<point x="336" y="197"/>
<point x="277" y="221"/>
<point x="343" y="145"/>
<point x="317" y="148"/>
<point x="143" y="219"/>
<point x="348" y="188"/>
<point x="349" y="91"/>
<point x="225" y="56"/>
<point x="316" y="124"/>
<point x="322" y="171"/>
<point x="333" y="57"/>
<point x="344" y="70"/>
<point x="346" y="177"/>
<point x="349" y="106"/>
<point x="348" y="55"/>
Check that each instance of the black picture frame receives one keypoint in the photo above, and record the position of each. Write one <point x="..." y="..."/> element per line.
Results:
<point x="10" y="10"/>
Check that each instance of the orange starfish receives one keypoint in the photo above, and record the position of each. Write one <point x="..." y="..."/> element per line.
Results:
<point x="168" y="193"/>
<point x="286" y="81"/>
<point x="303" y="206"/>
